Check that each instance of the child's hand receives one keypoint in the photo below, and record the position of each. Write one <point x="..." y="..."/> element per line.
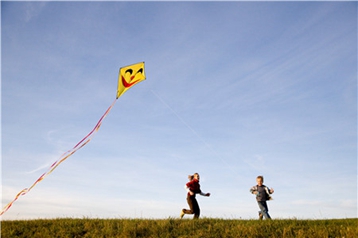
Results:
<point x="271" y="190"/>
<point x="208" y="194"/>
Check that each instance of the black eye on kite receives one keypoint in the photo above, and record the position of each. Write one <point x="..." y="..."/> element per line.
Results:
<point x="140" y="71"/>
<point x="129" y="71"/>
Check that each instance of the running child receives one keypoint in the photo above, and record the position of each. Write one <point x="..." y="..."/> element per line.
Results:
<point x="193" y="188"/>
<point x="262" y="195"/>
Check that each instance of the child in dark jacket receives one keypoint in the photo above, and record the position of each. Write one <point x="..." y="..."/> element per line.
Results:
<point x="193" y="187"/>
<point x="262" y="195"/>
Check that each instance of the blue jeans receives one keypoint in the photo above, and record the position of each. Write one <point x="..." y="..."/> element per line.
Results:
<point x="264" y="209"/>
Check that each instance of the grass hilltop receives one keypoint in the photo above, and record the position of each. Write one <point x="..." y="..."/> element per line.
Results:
<point x="205" y="227"/>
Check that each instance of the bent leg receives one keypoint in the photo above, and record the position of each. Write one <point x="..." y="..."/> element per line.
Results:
<point x="190" y="201"/>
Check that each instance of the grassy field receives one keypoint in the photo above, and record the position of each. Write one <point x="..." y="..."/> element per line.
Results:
<point x="205" y="227"/>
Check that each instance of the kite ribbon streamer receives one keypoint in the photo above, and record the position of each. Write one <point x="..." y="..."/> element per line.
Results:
<point x="63" y="157"/>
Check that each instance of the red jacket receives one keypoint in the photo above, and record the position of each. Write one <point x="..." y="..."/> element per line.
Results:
<point x="194" y="187"/>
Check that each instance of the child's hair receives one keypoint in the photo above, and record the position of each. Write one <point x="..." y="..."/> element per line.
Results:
<point x="191" y="177"/>
<point x="260" y="177"/>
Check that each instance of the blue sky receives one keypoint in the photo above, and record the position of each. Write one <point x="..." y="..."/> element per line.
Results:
<point x="233" y="90"/>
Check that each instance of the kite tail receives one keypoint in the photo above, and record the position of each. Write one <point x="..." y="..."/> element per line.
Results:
<point x="63" y="157"/>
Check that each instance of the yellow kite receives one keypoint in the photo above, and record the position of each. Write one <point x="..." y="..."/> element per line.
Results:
<point x="129" y="76"/>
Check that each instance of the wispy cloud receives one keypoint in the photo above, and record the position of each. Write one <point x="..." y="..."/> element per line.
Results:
<point x="33" y="9"/>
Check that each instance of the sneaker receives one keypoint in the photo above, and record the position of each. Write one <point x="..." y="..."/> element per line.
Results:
<point x="182" y="213"/>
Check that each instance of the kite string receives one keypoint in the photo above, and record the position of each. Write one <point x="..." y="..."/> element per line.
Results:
<point x="62" y="158"/>
<point x="190" y="128"/>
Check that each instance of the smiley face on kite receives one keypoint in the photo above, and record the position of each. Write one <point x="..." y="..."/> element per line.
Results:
<point x="132" y="78"/>
<point x="129" y="76"/>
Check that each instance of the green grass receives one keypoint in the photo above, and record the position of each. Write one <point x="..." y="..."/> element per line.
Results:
<point x="205" y="227"/>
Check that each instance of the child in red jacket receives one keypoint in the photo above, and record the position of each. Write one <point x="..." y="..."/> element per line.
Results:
<point x="193" y="187"/>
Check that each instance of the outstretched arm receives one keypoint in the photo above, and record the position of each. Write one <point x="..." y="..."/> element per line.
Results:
<point x="205" y="194"/>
